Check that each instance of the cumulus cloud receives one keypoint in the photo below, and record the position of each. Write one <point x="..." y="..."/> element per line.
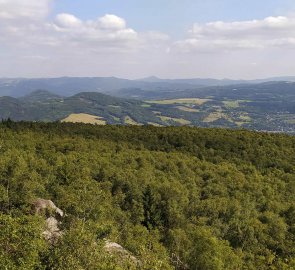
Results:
<point x="26" y="21"/>
<point x="65" y="20"/>
<point x="67" y="44"/>
<point x="28" y="9"/>
<point x="107" y="33"/>
<point x="35" y="43"/>
<point x="110" y="21"/>
<point x="254" y="34"/>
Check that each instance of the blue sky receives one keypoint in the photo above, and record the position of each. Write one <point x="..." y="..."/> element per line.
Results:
<point x="175" y="16"/>
<point x="139" y="38"/>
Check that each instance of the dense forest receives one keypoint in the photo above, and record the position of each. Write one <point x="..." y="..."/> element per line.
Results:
<point x="173" y="197"/>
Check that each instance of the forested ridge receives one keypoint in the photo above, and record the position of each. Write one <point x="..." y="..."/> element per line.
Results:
<point x="174" y="197"/>
<point x="260" y="107"/>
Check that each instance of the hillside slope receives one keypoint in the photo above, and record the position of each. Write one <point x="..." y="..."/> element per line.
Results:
<point x="44" y="106"/>
<point x="265" y="107"/>
<point x="175" y="198"/>
<point x="68" y="86"/>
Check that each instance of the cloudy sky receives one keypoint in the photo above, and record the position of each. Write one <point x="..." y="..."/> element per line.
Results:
<point x="139" y="38"/>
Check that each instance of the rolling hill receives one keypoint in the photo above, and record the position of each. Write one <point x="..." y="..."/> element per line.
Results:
<point x="42" y="105"/>
<point x="266" y="106"/>
<point x="68" y="86"/>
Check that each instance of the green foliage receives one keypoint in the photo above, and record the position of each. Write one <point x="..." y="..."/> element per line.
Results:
<point x="21" y="244"/>
<point x="79" y="249"/>
<point x="209" y="253"/>
<point x="174" y="198"/>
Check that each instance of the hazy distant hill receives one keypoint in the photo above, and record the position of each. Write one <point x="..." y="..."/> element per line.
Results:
<point x="215" y="82"/>
<point x="67" y="86"/>
<point x="266" y="90"/>
<point x="42" y="105"/>
<point x="267" y="106"/>
<point x="41" y="96"/>
<point x="195" y="81"/>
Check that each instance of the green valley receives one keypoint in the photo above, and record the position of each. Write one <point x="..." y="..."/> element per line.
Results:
<point x="262" y="107"/>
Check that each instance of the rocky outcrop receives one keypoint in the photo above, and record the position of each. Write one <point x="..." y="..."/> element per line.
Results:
<point x="41" y="204"/>
<point x="52" y="232"/>
<point x="120" y="252"/>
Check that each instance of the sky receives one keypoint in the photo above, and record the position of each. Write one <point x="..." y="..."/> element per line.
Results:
<point x="139" y="38"/>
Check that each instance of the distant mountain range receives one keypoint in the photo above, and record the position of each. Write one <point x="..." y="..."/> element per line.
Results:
<point x="216" y="82"/>
<point x="67" y="86"/>
<point x="42" y="105"/>
<point x="268" y="106"/>
<point x="280" y="90"/>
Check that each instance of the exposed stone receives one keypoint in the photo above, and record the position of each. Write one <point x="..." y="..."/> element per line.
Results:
<point x="116" y="249"/>
<point x="41" y="204"/>
<point x="52" y="232"/>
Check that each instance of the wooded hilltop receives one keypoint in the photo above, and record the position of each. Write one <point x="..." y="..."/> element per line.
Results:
<point x="173" y="197"/>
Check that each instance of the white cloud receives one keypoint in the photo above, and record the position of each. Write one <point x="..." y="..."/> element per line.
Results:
<point x="113" y="22"/>
<point x="25" y="23"/>
<point x="107" y="33"/>
<point x="28" y="9"/>
<point x="34" y="44"/>
<point x="155" y="35"/>
<point x="255" y="34"/>
<point x="68" y="45"/>
<point x="65" y="20"/>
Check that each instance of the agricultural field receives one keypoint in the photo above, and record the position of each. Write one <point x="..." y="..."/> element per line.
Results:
<point x="129" y="121"/>
<point x="187" y="109"/>
<point x="255" y="109"/>
<point x="197" y="101"/>
<point x="177" y="120"/>
<point x="84" y="118"/>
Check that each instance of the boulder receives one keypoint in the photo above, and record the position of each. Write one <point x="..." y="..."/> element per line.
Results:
<point x="52" y="232"/>
<point x="42" y="204"/>
<point x="118" y="251"/>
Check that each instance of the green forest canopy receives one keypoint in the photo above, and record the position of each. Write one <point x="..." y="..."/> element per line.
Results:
<point x="175" y="197"/>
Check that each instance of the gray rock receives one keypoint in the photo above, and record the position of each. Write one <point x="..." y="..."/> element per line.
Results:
<point x="52" y="232"/>
<point x="41" y="204"/>
<point x="116" y="249"/>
